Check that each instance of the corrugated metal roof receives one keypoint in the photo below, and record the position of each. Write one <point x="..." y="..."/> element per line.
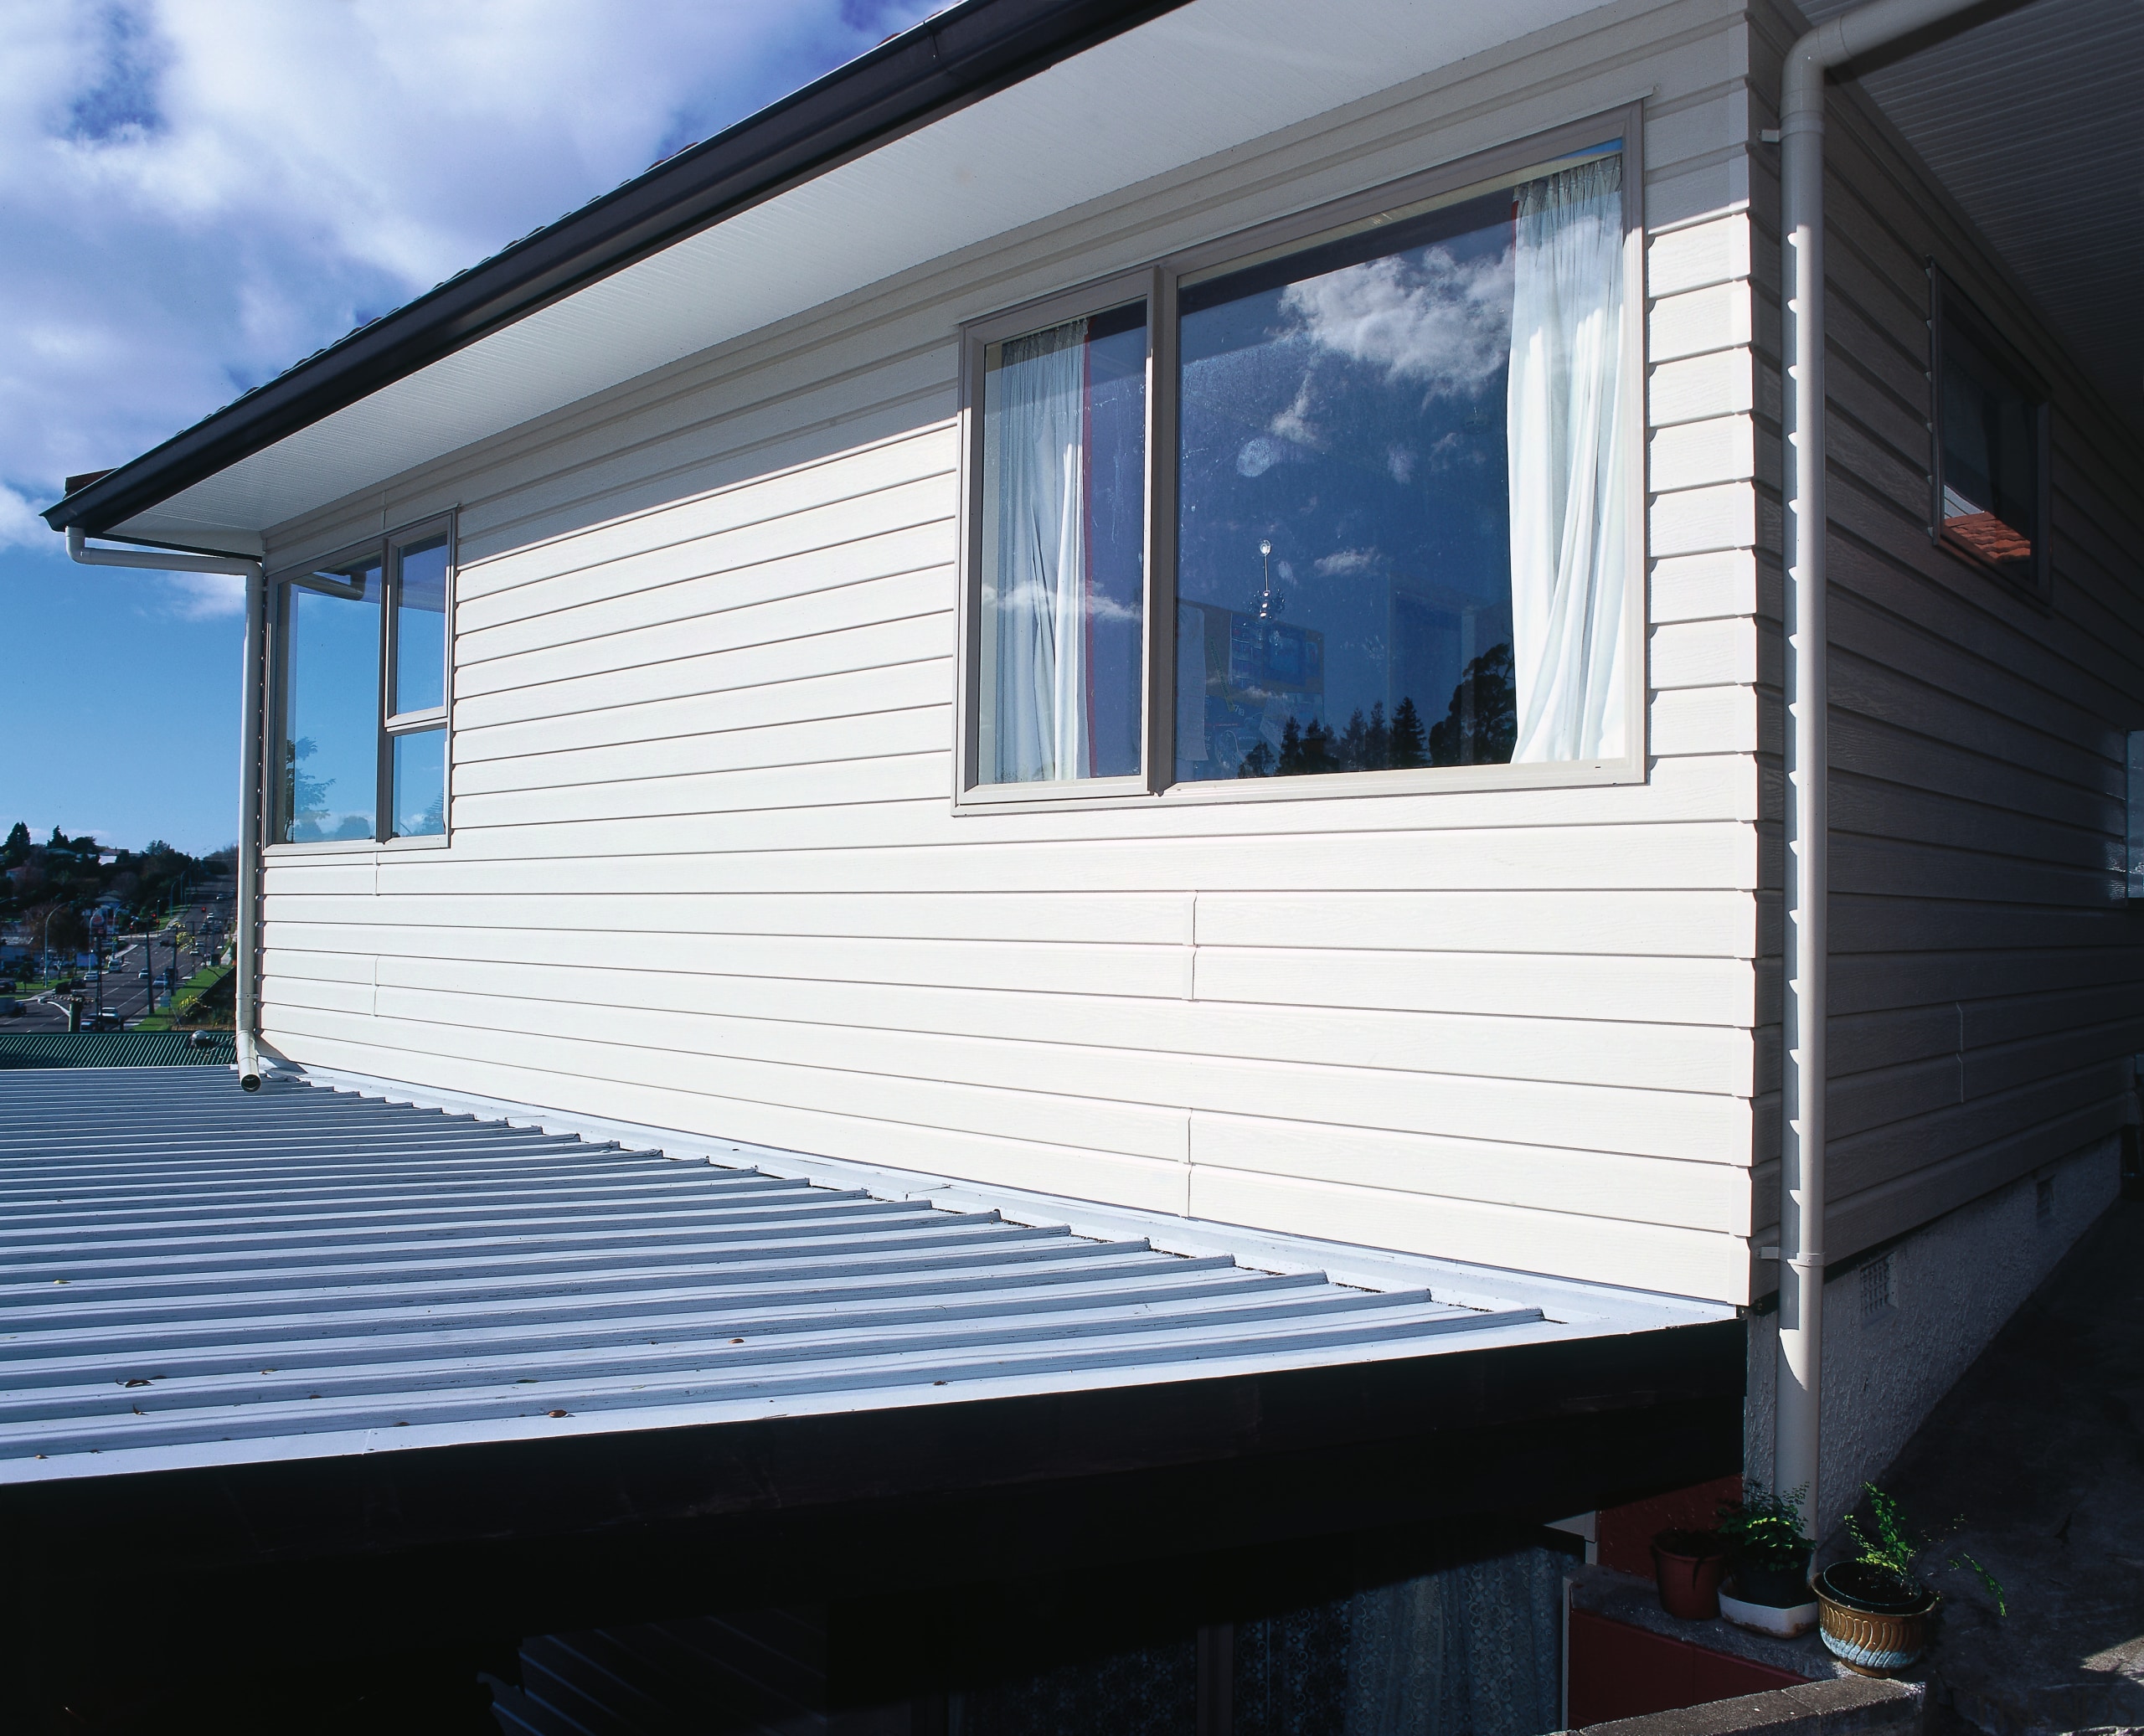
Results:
<point x="114" y="1048"/>
<point x="190" y="1275"/>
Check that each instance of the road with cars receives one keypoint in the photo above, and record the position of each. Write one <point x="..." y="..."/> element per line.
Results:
<point x="125" y="992"/>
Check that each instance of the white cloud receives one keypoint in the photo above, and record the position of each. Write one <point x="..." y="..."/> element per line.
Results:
<point x="202" y="191"/>
<point x="1438" y="322"/>
<point x="19" y="522"/>
<point x="1293" y="423"/>
<point x="1031" y="597"/>
<point x="206" y="596"/>
<point x="1343" y="561"/>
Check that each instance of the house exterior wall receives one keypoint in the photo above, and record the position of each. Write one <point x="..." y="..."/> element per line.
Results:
<point x="1950" y="1286"/>
<point x="705" y="873"/>
<point x="1986" y="969"/>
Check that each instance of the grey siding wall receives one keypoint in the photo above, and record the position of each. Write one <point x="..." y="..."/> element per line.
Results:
<point x="1985" y="989"/>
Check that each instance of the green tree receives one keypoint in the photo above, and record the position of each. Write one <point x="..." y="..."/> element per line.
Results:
<point x="305" y="797"/>
<point x="1319" y="744"/>
<point x="1408" y="747"/>
<point x="1291" y="749"/>
<point x="1366" y="743"/>
<point x="1482" y="726"/>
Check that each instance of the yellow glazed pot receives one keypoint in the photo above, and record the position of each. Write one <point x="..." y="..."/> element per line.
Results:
<point x="1868" y="1624"/>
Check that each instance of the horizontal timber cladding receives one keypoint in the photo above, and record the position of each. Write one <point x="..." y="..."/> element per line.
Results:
<point x="1985" y="970"/>
<point x="704" y="872"/>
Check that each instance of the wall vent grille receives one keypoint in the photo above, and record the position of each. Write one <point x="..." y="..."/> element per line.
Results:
<point x="1878" y="1300"/>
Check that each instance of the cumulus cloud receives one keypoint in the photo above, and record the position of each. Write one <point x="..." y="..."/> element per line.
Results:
<point x="1343" y="561"/>
<point x="1031" y="597"/>
<point x="1293" y="423"/>
<point x="1426" y="318"/>
<point x="206" y="596"/>
<point x="202" y="191"/>
<point x="18" y="521"/>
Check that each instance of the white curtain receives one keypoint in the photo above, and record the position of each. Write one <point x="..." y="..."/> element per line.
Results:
<point x="1569" y="483"/>
<point x="1039" y="614"/>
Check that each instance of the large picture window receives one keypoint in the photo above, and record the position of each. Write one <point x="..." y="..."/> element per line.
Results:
<point x="364" y="670"/>
<point x="1382" y="463"/>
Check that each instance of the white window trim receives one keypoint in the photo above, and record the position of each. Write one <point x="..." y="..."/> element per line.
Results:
<point x="1158" y="283"/>
<point x="385" y="548"/>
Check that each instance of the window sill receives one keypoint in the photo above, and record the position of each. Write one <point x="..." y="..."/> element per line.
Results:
<point x="2034" y="590"/>
<point x="349" y="847"/>
<point x="1328" y="786"/>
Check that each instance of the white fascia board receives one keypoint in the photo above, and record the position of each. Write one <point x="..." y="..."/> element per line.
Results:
<point x="1202" y="80"/>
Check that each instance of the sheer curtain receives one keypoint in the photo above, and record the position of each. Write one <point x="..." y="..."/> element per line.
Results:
<point x="1568" y="484"/>
<point x="1040" y="617"/>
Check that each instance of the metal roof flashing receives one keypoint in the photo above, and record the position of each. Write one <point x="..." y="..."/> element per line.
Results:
<point x="343" y="1265"/>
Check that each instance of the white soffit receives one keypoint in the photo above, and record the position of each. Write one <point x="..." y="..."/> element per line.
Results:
<point x="1197" y="81"/>
<point x="2034" y="124"/>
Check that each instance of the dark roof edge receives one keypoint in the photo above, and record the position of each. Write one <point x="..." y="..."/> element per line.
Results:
<point x="956" y="57"/>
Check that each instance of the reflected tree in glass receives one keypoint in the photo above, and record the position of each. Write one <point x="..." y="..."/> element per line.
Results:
<point x="331" y="707"/>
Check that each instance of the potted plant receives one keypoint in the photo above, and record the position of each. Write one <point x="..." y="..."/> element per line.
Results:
<point x="1689" y="1566"/>
<point x="1764" y="1536"/>
<point x="1875" y="1606"/>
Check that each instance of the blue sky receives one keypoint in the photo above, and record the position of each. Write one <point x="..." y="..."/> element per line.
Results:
<point x="198" y="193"/>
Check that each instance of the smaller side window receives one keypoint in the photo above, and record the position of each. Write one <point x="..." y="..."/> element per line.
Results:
<point x="363" y="694"/>
<point x="416" y="702"/>
<point x="1059" y="664"/>
<point x="1991" y="445"/>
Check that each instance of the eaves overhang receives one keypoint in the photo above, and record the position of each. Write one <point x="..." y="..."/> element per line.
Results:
<point x="955" y="58"/>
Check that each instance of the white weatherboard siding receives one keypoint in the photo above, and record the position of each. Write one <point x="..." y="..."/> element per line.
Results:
<point x="1986" y="971"/>
<point x="705" y="875"/>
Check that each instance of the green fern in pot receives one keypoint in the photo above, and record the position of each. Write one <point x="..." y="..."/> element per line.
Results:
<point x="1771" y="1556"/>
<point x="1876" y="1606"/>
<point x="1885" y="1573"/>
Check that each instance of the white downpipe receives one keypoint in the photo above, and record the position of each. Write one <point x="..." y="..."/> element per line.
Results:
<point x="1798" y="1441"/>
<point x="247" y="1014"/>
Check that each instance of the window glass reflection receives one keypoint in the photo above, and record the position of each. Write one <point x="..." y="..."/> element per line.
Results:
<point x="1991" y="459"/>
<point x="420" y="628"/>
<point x="1401" y="527"/>
<point x="329" y="762"/>
<point x="1064" y="551"/>
<point x="420" y="785"/>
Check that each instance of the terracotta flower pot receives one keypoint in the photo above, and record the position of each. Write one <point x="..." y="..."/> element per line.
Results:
<point x="1870" y="1623"/>
<point x="1689" y="1566"/>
